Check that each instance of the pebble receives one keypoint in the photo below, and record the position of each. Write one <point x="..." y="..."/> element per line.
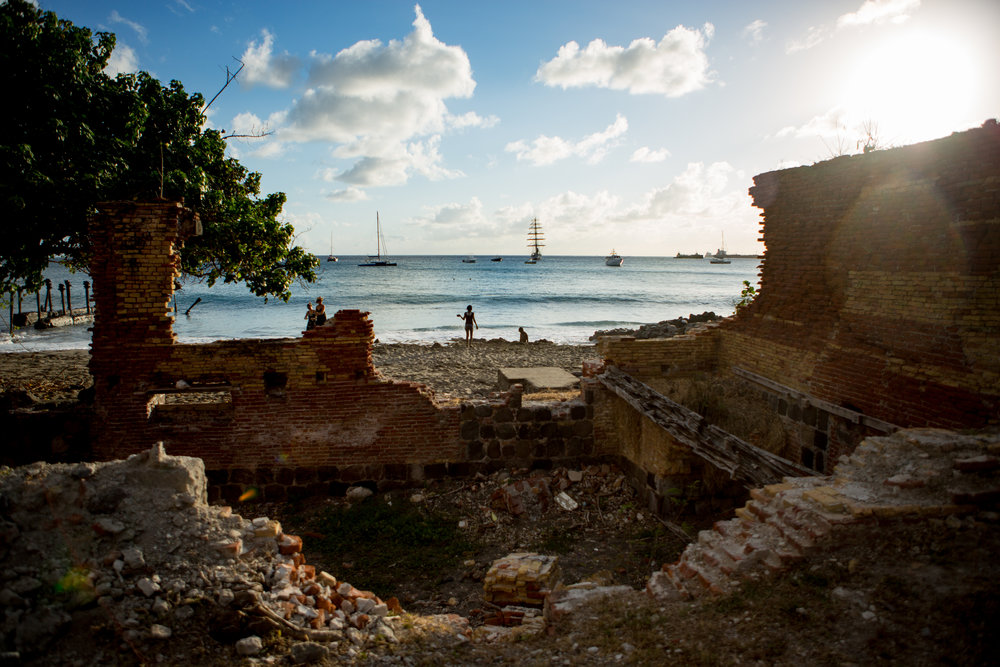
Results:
<point x="251" y="645"/>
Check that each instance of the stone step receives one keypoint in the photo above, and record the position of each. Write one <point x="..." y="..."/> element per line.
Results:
<point x="711" y="578"/>
<point x="660" y="586"/>
<point x="797" y="538"/>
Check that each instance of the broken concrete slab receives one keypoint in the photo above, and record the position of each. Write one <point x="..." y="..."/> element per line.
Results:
<point x="538" y="378"/>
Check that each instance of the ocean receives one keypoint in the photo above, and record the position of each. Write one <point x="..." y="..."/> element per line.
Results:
<point x="561" y="299"/>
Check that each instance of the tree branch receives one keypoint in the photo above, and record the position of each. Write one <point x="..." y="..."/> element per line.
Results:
<point x="230" y="77"/>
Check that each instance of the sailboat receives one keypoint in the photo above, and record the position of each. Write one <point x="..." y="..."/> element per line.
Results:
<point x="378" y="259"/>
<point x="331" y="257"/>
<point x="534" y="236"/>
<point x="720" y="255"/>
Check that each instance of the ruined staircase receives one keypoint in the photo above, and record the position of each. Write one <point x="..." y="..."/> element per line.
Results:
<point x="910" y="474"/>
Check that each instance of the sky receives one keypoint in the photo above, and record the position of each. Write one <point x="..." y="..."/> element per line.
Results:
<point x="633" y="125"/>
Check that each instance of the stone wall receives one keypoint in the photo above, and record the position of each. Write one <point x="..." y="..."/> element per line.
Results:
<point x="278" y="419"/>
<point x="880" y="285"/>
<point x="313" y="403"/>
<point x="879" y="299"/>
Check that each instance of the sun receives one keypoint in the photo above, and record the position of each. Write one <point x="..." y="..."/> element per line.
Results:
<point x="914" y="86"/>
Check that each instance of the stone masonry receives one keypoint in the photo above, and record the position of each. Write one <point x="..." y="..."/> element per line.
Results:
<point x="878" y="307"/>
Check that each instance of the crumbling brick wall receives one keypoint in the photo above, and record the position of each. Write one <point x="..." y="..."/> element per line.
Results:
<point x="879" y="300"/>
<point x="279" y="419"/>
<point x="880" y="286"/>
<point x="313" y="403"/>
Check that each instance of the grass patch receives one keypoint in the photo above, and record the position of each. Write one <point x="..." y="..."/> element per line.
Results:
<point x="387" y="543"/>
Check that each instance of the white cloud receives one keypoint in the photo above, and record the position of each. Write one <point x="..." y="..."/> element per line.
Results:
<point x="123" y="60"/>
<point x="698" y="192"/>
<point x="546" y="150"/>
<point x="830" y="124"/>
<point x="675" y="66"/>
<point x="874" y="12"/>
<point x="384" y="106"/>
<point x="140" y="30"/>
<point x="182" y="4"/>
<point x="264" y="68"/>
<point x="871" y="12"/>
<point x="471" y="119"/>
<point x="350" y="194"/>
<point x="813" y="37"/>
<point x="579" y="211"/>
<point x="646" y="154"/>
<point x="417" y="157"/>
<point x="754" y="32"/>
<point x="466" y="220"/>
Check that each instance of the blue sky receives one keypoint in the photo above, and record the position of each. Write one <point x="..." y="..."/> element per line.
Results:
<point x="637" y="125"/>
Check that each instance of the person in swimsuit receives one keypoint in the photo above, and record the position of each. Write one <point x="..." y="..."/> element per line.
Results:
<point x="470" y="321"/>
<point x="310" y="316"/>
<point x="320" y="311"/>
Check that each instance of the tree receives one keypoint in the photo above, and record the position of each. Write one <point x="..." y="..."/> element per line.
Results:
<point x="77" y="137"/>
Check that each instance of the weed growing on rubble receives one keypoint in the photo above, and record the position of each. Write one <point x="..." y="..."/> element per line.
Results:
<point x="386" y="544"/>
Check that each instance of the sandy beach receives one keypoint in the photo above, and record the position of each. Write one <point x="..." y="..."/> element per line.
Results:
<point x="452" y="370"/>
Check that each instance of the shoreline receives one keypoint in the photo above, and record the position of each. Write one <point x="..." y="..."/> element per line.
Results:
<point x="452" y="370"/>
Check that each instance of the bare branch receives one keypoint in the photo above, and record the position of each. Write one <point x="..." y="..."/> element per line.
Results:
<point x="252" y="135"/>
<point x="230" y="77"/>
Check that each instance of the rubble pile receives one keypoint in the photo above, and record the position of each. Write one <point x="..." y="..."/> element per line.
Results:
<point x="135" y="546"/>
<point x="522" y="579"/>
<point x="664" y="329"/>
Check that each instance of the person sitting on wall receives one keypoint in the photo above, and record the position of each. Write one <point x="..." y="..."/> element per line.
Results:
<point x="524" y="334"/>
<point x="310" y="316"/>
<point x="320" y="312"/>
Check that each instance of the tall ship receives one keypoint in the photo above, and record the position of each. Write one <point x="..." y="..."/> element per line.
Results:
<point x="534" y="236"/>
<point x="378" y="259"/>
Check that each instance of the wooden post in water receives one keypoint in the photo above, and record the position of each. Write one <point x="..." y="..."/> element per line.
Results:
<point x="38" y="302"/>
<point x="69" y="300"/>
<point x="86" y="294"/>
<point x="62" y="297"/>
<point x="11" y="320"/>
<point x="48" y="297"/>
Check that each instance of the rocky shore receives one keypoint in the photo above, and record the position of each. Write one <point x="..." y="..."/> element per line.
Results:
<point x="452" y="370"/>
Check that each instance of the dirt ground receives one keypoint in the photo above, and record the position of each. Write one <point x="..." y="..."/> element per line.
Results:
<point x="922" y="593"/>
<point x="466" y="526"/>
<point x="919" y="593"/>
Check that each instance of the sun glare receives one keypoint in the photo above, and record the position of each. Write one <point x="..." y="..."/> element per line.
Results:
<point x="915" y="86"/>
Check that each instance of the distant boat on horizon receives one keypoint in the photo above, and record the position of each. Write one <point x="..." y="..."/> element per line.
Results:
<point x="720" y="255"/>
<point x="534" y="236"/>
<point x="377" y="259"/>
<point x="468" y="260"/>
<point x="614" y="259"/>
<point x="497" y="259"/>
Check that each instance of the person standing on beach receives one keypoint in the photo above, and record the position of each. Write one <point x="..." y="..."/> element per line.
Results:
<point x="320" y="311"/>
<point x="524" y="334"/>
<point x="470" y="321"/>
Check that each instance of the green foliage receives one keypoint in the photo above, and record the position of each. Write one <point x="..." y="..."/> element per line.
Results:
<point x="76" y="137"/>
<point x="747" y="295"/>
<point x="389" y="543"/>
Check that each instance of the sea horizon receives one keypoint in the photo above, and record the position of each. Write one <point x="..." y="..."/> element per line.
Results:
<point x="562" y="298"/>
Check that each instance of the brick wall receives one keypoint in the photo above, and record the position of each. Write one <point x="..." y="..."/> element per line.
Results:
<point x="277" y="419"/>
<point x="881" y="281"/>
<point x="879" y="300"/>
<point x="313" y="402"/>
